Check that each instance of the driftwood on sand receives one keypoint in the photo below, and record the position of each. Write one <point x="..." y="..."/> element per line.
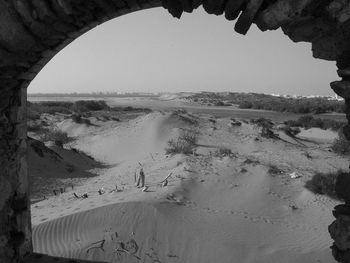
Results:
<point x="166" y="178"/>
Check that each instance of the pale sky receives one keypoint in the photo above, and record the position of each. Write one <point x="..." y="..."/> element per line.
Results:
<point x="150" y="51"/>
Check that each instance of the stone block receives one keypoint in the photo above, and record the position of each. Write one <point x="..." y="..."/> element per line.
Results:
<point x="344" y="73"/>
<point x="187" y="5"/>
<point x="174" y="7"/>
<point x="339" y="10"/>
<point x="342" y="209"/>
<point x="342" y="186"/>
<point x="66" y="6"/>
<point x="119" y="4"/>
<point x="340" y="232"/>
<point x="280" y="13"/>
<point x="216" y="7"/>
<point x="43" y="10"/>
<point x="245" y="20"/>
<point x="105" y="6"/>
<point x="13" y="34"/>
<point x="342" y="88"/>
<point x="27" y="76"/>
<point x="307" y="29"/>
<point x="233" y="8"/>
<point x="340" y="256"/>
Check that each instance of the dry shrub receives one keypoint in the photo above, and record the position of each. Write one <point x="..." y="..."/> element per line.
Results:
<point x="59" y="138"/>
<point x="90" y="105"/>
<point x="341" y="145"/>
<point x="309" y="121"/>
<point x="77" y="118"/>
<point x="324" y="183"/>
<point x="263" y="123"/>
<point x="223" y="151"/>
<point x="274" y="170"/>
<point x="184" y="144"/>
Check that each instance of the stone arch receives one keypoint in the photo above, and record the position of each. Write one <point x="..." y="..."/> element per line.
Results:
<point x="33" y="31"/>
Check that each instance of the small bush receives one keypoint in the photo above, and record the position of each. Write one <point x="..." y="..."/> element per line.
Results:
<point x="179" y="146"/>
<point x="189" y="136"/>
<point x="291" y="131"/>
<point x="90" y="105"/>
<point x="181" y="111"/>
<point x="274" y="170"/>
<point x="36" y="109"/>
<point x="223" y="151"/>
<point x="77" y="118"/>
<point x="219" y="103"/>
<point x="269" y="102"/>
<point x="115" y="119"/>
<point x="70" y="168"/>
<point x="105" y="117"/>
<point x="184" y="144"/>
<point x="250" y="161"/>
<point x="324" y="183"/>
<point x="131" y="109"/>
<point x="309" y="121"/>
<point x="341" y="145"/>
<point x="244" y="170"/>
<point x="59" y="138"/>
<point x="32" y="115"/>
<point x="263" y="123"/>
<point x="34" y="127"/>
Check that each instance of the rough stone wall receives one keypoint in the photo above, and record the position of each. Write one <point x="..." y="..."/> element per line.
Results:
<point x="33" y="31"/>
<point x="14" y="202"/>
<point x="340" y="228"/>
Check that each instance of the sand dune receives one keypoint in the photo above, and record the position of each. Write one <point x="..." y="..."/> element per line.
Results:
<point x="215" y="208"/>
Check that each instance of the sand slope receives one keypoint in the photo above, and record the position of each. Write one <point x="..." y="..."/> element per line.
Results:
<point x="215" y="208"/>
<point x="55" y="167"/>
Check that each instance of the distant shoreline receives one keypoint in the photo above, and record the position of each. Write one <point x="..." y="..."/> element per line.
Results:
<point x="82" y="95"/>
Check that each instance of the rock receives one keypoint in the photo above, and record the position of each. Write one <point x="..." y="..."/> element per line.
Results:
<point x="280" y="13"/>
<point x="346" y="132"/>
<point x="247" y="17"/>
<point x="306" y="29"/>
<point x="340" y="232"/>
<point x="216" y="7"/>
<point x="281" y="127"/>
<point x="174" y="7"/>
<point x="342" y="88"/>
<point x="165" y="183"/>
<point x="233" y="8"/>
<point x="340" y="10"/>
<point x="344" y="73"/>
<point x="187" y="5"/>
<point x="293" y="207"/>
<point x="294" y="175"/>
<point x="341" y="210"/>
<point x="235" y="123"/>
<point x="342" y="186"/>
<point x="340" y="256"/>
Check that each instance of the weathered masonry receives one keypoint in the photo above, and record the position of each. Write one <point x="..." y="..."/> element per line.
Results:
<point x="33" y="31"/>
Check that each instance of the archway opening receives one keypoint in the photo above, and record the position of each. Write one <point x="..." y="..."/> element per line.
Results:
<point x="206" y="188"/>
<point x="33" y="32"/>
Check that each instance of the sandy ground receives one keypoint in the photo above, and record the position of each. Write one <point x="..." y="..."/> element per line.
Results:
<point x="214" y="209"/>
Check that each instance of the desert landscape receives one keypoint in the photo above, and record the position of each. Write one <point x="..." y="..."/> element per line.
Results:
<point x="217" y="188"/>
